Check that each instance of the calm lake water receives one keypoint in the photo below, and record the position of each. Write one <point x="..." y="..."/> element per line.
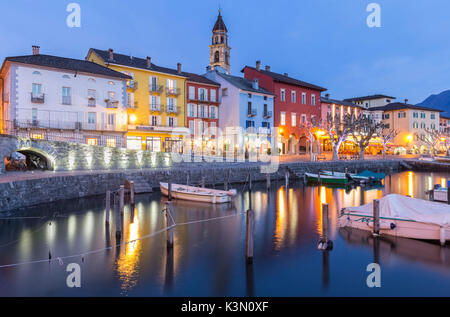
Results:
<point x="208" y="258"/>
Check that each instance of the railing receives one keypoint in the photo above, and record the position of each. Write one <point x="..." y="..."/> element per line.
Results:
<point x="112" y="103"/>
<point x="132" y="84"/>
<point x="37" y="98"/>
<point x="251" y="112"/>
<point x="66" y="100"/>
<point x="33" y="130"/>
<point x="65" y="125"/>
<point x="267" y="114"/>
<point x="156" y="88"/>
<point x="172" y="109"/>
<point x="173" y="91"/>
<point x="156" y="107"/>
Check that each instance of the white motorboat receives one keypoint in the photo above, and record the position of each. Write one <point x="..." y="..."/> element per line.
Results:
<point x="402" y="216"/>
<point x="199" y="194"/>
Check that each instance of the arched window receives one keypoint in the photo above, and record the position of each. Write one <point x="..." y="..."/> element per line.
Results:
<point x="216" y="57"/>
<point x="36" y="73"/>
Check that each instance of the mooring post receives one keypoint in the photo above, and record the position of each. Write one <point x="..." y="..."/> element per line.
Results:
<point x="118" y="218"/>
<point x="108" y="206"/>
<point x="169" y="188"/>
<point x="249" y="236"/>
<point x="188" y="174"/>
<point x="268" y="181"/>
<point x="214" y="179"/>
<point x="132" y="193"/>
<point x="324" y="242"/>
<point x="169" y="224"/>
<point x="286" y="176"/>
<point x="249" y="180"/>
<point x="376" y="217"/>
<point x="203" y="182"/>
<point x="226" y="180"/>
<point x="318" y="177"/>
<point x="121" y="198"/>
<point x="448" y="192"/>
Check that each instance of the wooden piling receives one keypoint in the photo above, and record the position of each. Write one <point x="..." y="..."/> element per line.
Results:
<point x="448" y="194"/>
<point x="268" y="181"/>
<point x="132" y="193"/>
<point x="376" y="217"/>
<point x="250" y="181"/>
<point x="325" y="223"/>
<point x="169" y="223"/>
<point x="203" y="182"/>
<point x="226" y="180"/>
<point x="121" y="198"/>
<point x="286" y="176"/>
<point x="169" y="189"/>
<point x="118" y="218"/>
<point x="108" y="206"/>
<point x="188" y="176"/>
<point x="249" y="236"/>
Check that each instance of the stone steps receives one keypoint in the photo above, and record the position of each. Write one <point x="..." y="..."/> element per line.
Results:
<point x="141" y="186"/>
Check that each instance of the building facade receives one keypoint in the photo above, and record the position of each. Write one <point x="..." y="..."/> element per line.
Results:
<point x="372" y="101"/>
<point x="156" y="101"/>
<point x="245" y="113"/>
<point x="296" y="107"/>
<point x="57" y="98"/>
<point x="412" y="123"/>
<point x="202" y="115"/>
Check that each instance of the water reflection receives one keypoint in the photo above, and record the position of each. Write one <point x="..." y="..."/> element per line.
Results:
<point x="208" y="257"/>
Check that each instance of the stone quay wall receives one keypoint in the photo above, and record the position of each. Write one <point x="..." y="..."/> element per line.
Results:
<point x="17" y="195"/>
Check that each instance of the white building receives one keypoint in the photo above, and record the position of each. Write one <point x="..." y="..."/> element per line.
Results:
<point x="57" y="98"/>
<point x="371" y="101"/>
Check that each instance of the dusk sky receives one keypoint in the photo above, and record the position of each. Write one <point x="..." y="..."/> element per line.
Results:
<point x="325" y="42"/>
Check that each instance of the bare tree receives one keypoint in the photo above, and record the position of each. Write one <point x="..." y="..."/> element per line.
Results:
<point x="308" y="128"/>
<point x="364" y="129"/>
<point x="338" y="130"/>
<point x="433" y="138"/>
<point x="387" y="135"/>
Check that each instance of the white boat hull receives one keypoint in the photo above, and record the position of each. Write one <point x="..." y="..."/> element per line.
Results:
<point x="396" y="227"/>
<point x="440" y="195"/>
<point x="192" y="193"/>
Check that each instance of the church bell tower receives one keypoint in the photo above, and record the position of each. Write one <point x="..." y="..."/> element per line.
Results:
<point x="219" y="51"/>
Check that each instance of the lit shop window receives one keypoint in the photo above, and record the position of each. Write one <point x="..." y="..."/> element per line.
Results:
<point x="37" y="136"/>
<point x="91" y="141"/>
<point x="111" y="142"/>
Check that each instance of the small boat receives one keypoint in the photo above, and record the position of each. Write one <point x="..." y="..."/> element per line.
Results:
<point x="199" y="194"/>
<point x="352" y="177"/>
<point x="440" y="193"/>
<point x="402" y="216"/>
<point x="372" y="175"/>
<point x="327" y="179"/>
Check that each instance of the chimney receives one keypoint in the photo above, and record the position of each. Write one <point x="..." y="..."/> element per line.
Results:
<point x="111" y="54"/>
<point x="255" y="83"/>
<point x="327" y="96"/>
<point x="258" y="65"/>
<point x="268" y="68"/>
<point x="286" y="74"/>
<point x="36" y="49"/>
<point x="149" y="62"/>
<point x="179" y="68"/>
<point x="406" y="100"/>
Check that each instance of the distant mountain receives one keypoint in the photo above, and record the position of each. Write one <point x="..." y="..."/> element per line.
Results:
<point x="439" y="101"/>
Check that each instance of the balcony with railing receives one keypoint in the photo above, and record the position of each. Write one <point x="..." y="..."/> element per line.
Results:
<point x="67" y="100"/>
<point x="110" y="103"/>
<point x="251" y="112"/>
<point x="156" y="88"/>
<point x="156" y="108"/>
<point x="267" y="114"/>
<point x="67" y="125"/>
<point x="37" y="98"/>
<point x="172" y="109"/>
<point x="171" y="91"/>
<point x="132" y="84"/>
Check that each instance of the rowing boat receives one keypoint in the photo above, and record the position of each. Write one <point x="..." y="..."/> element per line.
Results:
<point x="327" y="179"/>
<point x="402" y="216"/>
<point x="199" y="194"/>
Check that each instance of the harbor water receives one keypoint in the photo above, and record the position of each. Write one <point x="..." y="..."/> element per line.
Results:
<point x="208" y="257"/>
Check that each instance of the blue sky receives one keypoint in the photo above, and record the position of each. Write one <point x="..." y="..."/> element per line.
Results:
<point x="325" y="42"/>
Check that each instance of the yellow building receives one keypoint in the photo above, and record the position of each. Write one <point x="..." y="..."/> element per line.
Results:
<point x="412" y="123"/>
<point x="156" y="104"/>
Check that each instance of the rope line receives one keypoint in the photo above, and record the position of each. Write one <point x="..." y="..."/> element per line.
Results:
<point x="60" y="259"/>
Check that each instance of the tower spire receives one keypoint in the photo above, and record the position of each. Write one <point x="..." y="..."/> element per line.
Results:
<point x="219" y="49"/>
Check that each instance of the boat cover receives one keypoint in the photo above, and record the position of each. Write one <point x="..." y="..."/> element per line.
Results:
<point x="368" y="173"/>
<point x="407" y="208"/>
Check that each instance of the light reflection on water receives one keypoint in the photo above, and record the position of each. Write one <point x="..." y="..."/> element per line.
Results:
<point x="208" y="257"/>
